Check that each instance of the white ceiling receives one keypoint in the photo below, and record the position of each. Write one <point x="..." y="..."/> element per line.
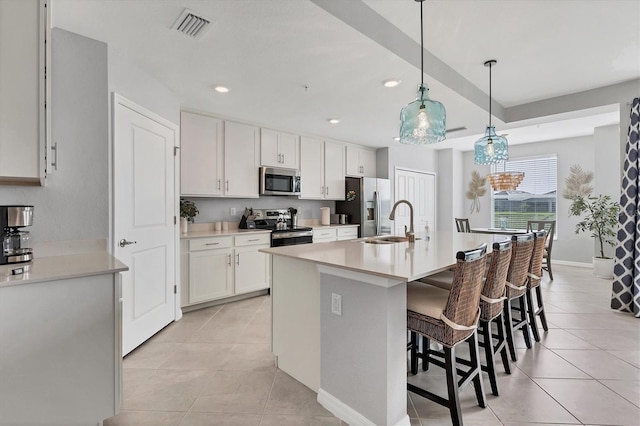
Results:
<point x="292" y="64"/>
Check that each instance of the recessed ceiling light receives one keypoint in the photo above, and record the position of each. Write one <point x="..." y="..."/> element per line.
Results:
<point x="221" y="89"/>
<point x="391" y="82"/>
<point x="333" y="121"/>
<point x="397" y="138"/>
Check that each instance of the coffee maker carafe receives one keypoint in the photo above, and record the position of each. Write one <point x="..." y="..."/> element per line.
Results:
<point x="16" y="247"/>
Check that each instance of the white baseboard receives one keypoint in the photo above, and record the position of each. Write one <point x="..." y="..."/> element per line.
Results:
<point x="569" y="263"/>
<point x="348" y="414"/>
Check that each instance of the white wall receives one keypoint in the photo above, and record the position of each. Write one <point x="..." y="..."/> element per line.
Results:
<point x="419" y="158"/>
<point x="74" y="203"/>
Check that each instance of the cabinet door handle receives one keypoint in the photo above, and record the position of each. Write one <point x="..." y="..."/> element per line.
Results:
<point x="254" y="239"/>
<point x="282" y="158"/>
<point x="327" y="190"/>
<point x="229" y="259"/>
<point x="218" y="184"/>
<point x="227" y="184"/>
<point x="237" y="259"/>
<point x="211" y="244"/>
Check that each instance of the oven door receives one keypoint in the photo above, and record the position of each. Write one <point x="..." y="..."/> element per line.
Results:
<point x="291" y="238"/>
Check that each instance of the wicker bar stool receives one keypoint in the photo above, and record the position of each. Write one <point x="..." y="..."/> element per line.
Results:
<point x="450" y="318"/>
<point x="535" y="276"/>
<point x="491" y="309"/>
<point x="550" y="227"/>
<point x="516" y="290"/>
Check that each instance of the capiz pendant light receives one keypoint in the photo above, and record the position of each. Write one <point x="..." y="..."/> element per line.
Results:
<point x="491" y="148"/>
<point x="422" y="121"/>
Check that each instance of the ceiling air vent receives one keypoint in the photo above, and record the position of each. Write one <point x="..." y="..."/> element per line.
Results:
<point x="189" y="23"/>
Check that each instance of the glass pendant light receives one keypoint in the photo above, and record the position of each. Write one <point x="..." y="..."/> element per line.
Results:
<point x="422" y="121"/>
<point x="491" y="148"/>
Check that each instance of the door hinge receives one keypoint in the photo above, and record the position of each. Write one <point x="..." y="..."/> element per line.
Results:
<point x="175" y="150"/>
<point x="175" y="289"/>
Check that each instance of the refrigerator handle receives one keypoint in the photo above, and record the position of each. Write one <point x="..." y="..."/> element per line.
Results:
<point x="376" y="200"/>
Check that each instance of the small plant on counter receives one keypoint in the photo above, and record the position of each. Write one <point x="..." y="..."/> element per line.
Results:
<point x="188" y="210"/>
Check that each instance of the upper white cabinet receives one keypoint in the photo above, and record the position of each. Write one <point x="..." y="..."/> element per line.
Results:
<point x="279" y="149"/>
<point x="202" y="155"/>
<point x="321" y="169"/>
<point x="23" y="29"/>
<point x="241" y="150"/>
<point x="218" y="158"/>
<point x="361" y="161"/>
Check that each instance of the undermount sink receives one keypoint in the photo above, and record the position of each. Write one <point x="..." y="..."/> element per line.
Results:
<point x="389" y="239"/>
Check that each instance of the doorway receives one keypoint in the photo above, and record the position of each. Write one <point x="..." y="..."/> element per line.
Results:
<point x="419" y="188"/>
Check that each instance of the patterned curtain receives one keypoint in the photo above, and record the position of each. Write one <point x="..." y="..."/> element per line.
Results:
<point x="626" y="284"/>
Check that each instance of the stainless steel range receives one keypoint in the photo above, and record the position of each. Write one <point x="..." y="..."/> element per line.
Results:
<point x="279" y="221"/>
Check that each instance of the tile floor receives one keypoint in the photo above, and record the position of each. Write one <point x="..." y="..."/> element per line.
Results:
<point x="214" y="367"/>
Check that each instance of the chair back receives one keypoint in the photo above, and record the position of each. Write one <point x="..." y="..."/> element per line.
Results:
<point x="491" y="302"/>
<point x="462" y="225"/>
<point x="547" y="225"/>
<point x="464" y="296"/>
<point x="521" y="251"/>
<point x="535" y="267"/>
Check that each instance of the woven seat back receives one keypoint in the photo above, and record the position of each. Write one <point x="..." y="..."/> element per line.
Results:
<point x="547" y="225"/>
<point x="521" y="250"/>
<point x="535" y="267"/>
<point x="496" y="277"/>
<point x="464" y="296"/>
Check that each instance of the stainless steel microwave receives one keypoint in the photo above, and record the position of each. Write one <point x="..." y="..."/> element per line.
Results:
<point x="279" y="181"/>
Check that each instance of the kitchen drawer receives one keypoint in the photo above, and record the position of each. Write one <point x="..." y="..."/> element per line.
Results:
<point x="324" y="233"/>
<point x="347" y="233"/>
<point x="253" y="239"/>
<point x="210" y="243"/>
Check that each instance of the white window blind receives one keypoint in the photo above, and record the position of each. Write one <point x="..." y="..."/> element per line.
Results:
<point x="534" y="199"/>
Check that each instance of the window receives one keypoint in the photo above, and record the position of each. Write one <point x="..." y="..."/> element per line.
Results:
<point x="535" y="198"/>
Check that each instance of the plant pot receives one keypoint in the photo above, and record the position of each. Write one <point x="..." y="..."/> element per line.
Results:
<point x="183" y="225"/>
<point x="603" y="267"/>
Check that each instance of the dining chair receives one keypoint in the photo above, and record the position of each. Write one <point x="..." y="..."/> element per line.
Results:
<point x="550" y="227"/>
<point x="449" y="318"/>
<point x="491" y="308"/>
<point x="462" y="225"/>
<point x="516" y="290"/>
<point x="533" y="282"/>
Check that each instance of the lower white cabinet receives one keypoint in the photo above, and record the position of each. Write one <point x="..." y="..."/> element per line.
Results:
<point x="347" y="233"/>
<point x="218" y="267"/>
<point x="337" y="233"/>
<point x="323" y="235"/>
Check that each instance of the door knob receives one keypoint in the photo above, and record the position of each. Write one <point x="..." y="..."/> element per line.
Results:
<point x="124" y="242"/>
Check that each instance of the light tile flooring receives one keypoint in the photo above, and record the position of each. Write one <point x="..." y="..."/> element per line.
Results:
<point x="214" y="367"/>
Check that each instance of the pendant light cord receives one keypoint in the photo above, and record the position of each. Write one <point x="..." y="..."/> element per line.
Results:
<point x="490" y="64"/>
<point x="421" y="47"/>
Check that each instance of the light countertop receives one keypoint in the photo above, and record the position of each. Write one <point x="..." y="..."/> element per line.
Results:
<point x="399" y="261"/>
<point x="230" y="232"/>
<point x="60" y="268"/>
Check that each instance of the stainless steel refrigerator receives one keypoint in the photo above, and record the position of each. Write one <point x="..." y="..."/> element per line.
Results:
<point x="369" y="207"/>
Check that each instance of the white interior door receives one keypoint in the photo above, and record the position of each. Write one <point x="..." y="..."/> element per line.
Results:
<point x="419" y="188"/>
<point x="144" y="206"/>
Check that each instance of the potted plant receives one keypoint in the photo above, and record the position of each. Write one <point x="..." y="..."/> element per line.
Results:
<point x="600" y="217"/>
<point x="188" y="211"/>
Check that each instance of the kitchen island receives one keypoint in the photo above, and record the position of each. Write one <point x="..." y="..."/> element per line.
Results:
<point x="339" y="318"/>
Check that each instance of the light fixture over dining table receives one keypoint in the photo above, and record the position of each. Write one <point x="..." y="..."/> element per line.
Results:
<point x="490" y="148"/>
<point x="422" y="121"/>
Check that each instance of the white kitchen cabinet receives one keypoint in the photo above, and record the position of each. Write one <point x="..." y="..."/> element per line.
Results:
<point x="202" y="155"/>
<point x="222" y="266"/>
<point x="210" y="275"/>
<point x="361" y="161"/>
<point x="23" y="30"/>
<point x="321" y="169"/>
<point x="279" y="149"/>
<point x="347" y="233"/>
<point x="241" y="151"/>
<point x="323" y="235"/>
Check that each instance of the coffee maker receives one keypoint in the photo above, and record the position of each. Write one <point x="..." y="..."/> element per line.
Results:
<point x="16" y="247"/>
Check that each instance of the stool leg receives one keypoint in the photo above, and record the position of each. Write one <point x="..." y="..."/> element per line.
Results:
<point x="549" y="268"/>
<point x="414" y="354"/>
<point x="502" y="344"/>
<point x="508" y="324"/>
<point x="425" y="353"/>
<point x="488" y="352"/>
<point x="543" y="317"/>
<point x="523" y="318"/>
<point x="452" y="386"/>
<point x="531" y="312"/>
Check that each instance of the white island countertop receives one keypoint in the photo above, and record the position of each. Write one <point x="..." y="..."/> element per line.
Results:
<point x="398" y="261"/>
<point x="60" y="267"/>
